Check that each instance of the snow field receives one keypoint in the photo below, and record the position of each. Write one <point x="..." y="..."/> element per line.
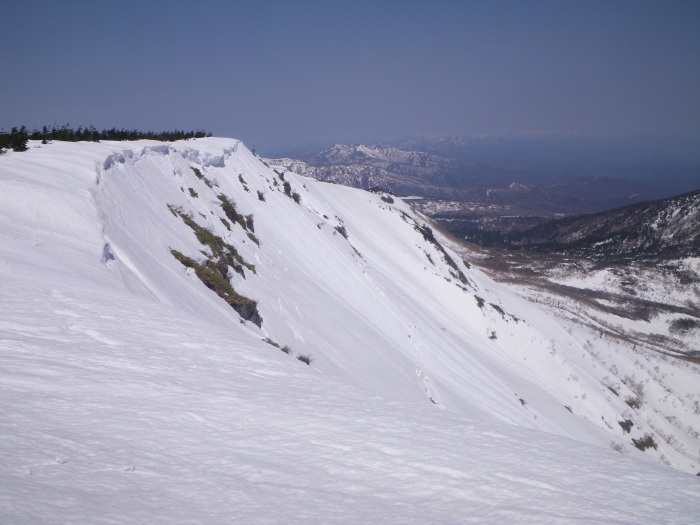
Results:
<point x="132" y="393"/>
<point x="163" y="417"/>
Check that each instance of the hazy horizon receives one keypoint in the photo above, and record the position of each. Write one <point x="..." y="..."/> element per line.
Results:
<point x="672" y="143"/>
<point x="283" y="76"/>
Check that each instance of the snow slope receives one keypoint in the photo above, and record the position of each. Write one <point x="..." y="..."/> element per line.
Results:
<point x="133" y="393"/>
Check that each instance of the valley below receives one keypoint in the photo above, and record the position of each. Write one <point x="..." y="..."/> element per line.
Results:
<point x="651" y="306"/>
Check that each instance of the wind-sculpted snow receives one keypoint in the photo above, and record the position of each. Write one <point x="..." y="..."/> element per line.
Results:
<point x="132" y="392"/>
<point x="137" y="413"/>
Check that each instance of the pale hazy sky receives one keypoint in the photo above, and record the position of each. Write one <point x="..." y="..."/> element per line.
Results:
<point x="288" y="74"/>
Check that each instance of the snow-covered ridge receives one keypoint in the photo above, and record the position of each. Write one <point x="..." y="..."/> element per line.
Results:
<point x="126" y="374"/>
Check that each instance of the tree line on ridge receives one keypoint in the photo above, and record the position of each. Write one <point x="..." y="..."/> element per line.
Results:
<point x="17" y="138"/>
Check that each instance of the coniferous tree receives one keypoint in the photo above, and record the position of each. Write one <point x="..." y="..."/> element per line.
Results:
<point x="18" y="139"/>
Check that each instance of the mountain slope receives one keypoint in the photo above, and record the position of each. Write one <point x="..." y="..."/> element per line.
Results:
<point x="129" y="376"/>
<point x="162" y="417"/>
<point x="629" y="273"/>
<point x="665" y="228"/>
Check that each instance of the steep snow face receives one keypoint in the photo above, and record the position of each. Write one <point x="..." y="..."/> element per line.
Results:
<point x="110" y="339"/>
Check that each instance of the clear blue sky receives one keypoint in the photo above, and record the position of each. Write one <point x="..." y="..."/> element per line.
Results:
<point x="288" y="74"/>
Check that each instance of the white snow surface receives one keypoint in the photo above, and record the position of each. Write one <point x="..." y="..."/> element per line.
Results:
<point x="131" y="393"/>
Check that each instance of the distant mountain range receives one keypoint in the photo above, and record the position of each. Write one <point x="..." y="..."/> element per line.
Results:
<point x="474" y="187"/>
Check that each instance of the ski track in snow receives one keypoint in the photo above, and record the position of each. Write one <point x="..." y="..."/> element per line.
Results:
<point x="129" y="393"/>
